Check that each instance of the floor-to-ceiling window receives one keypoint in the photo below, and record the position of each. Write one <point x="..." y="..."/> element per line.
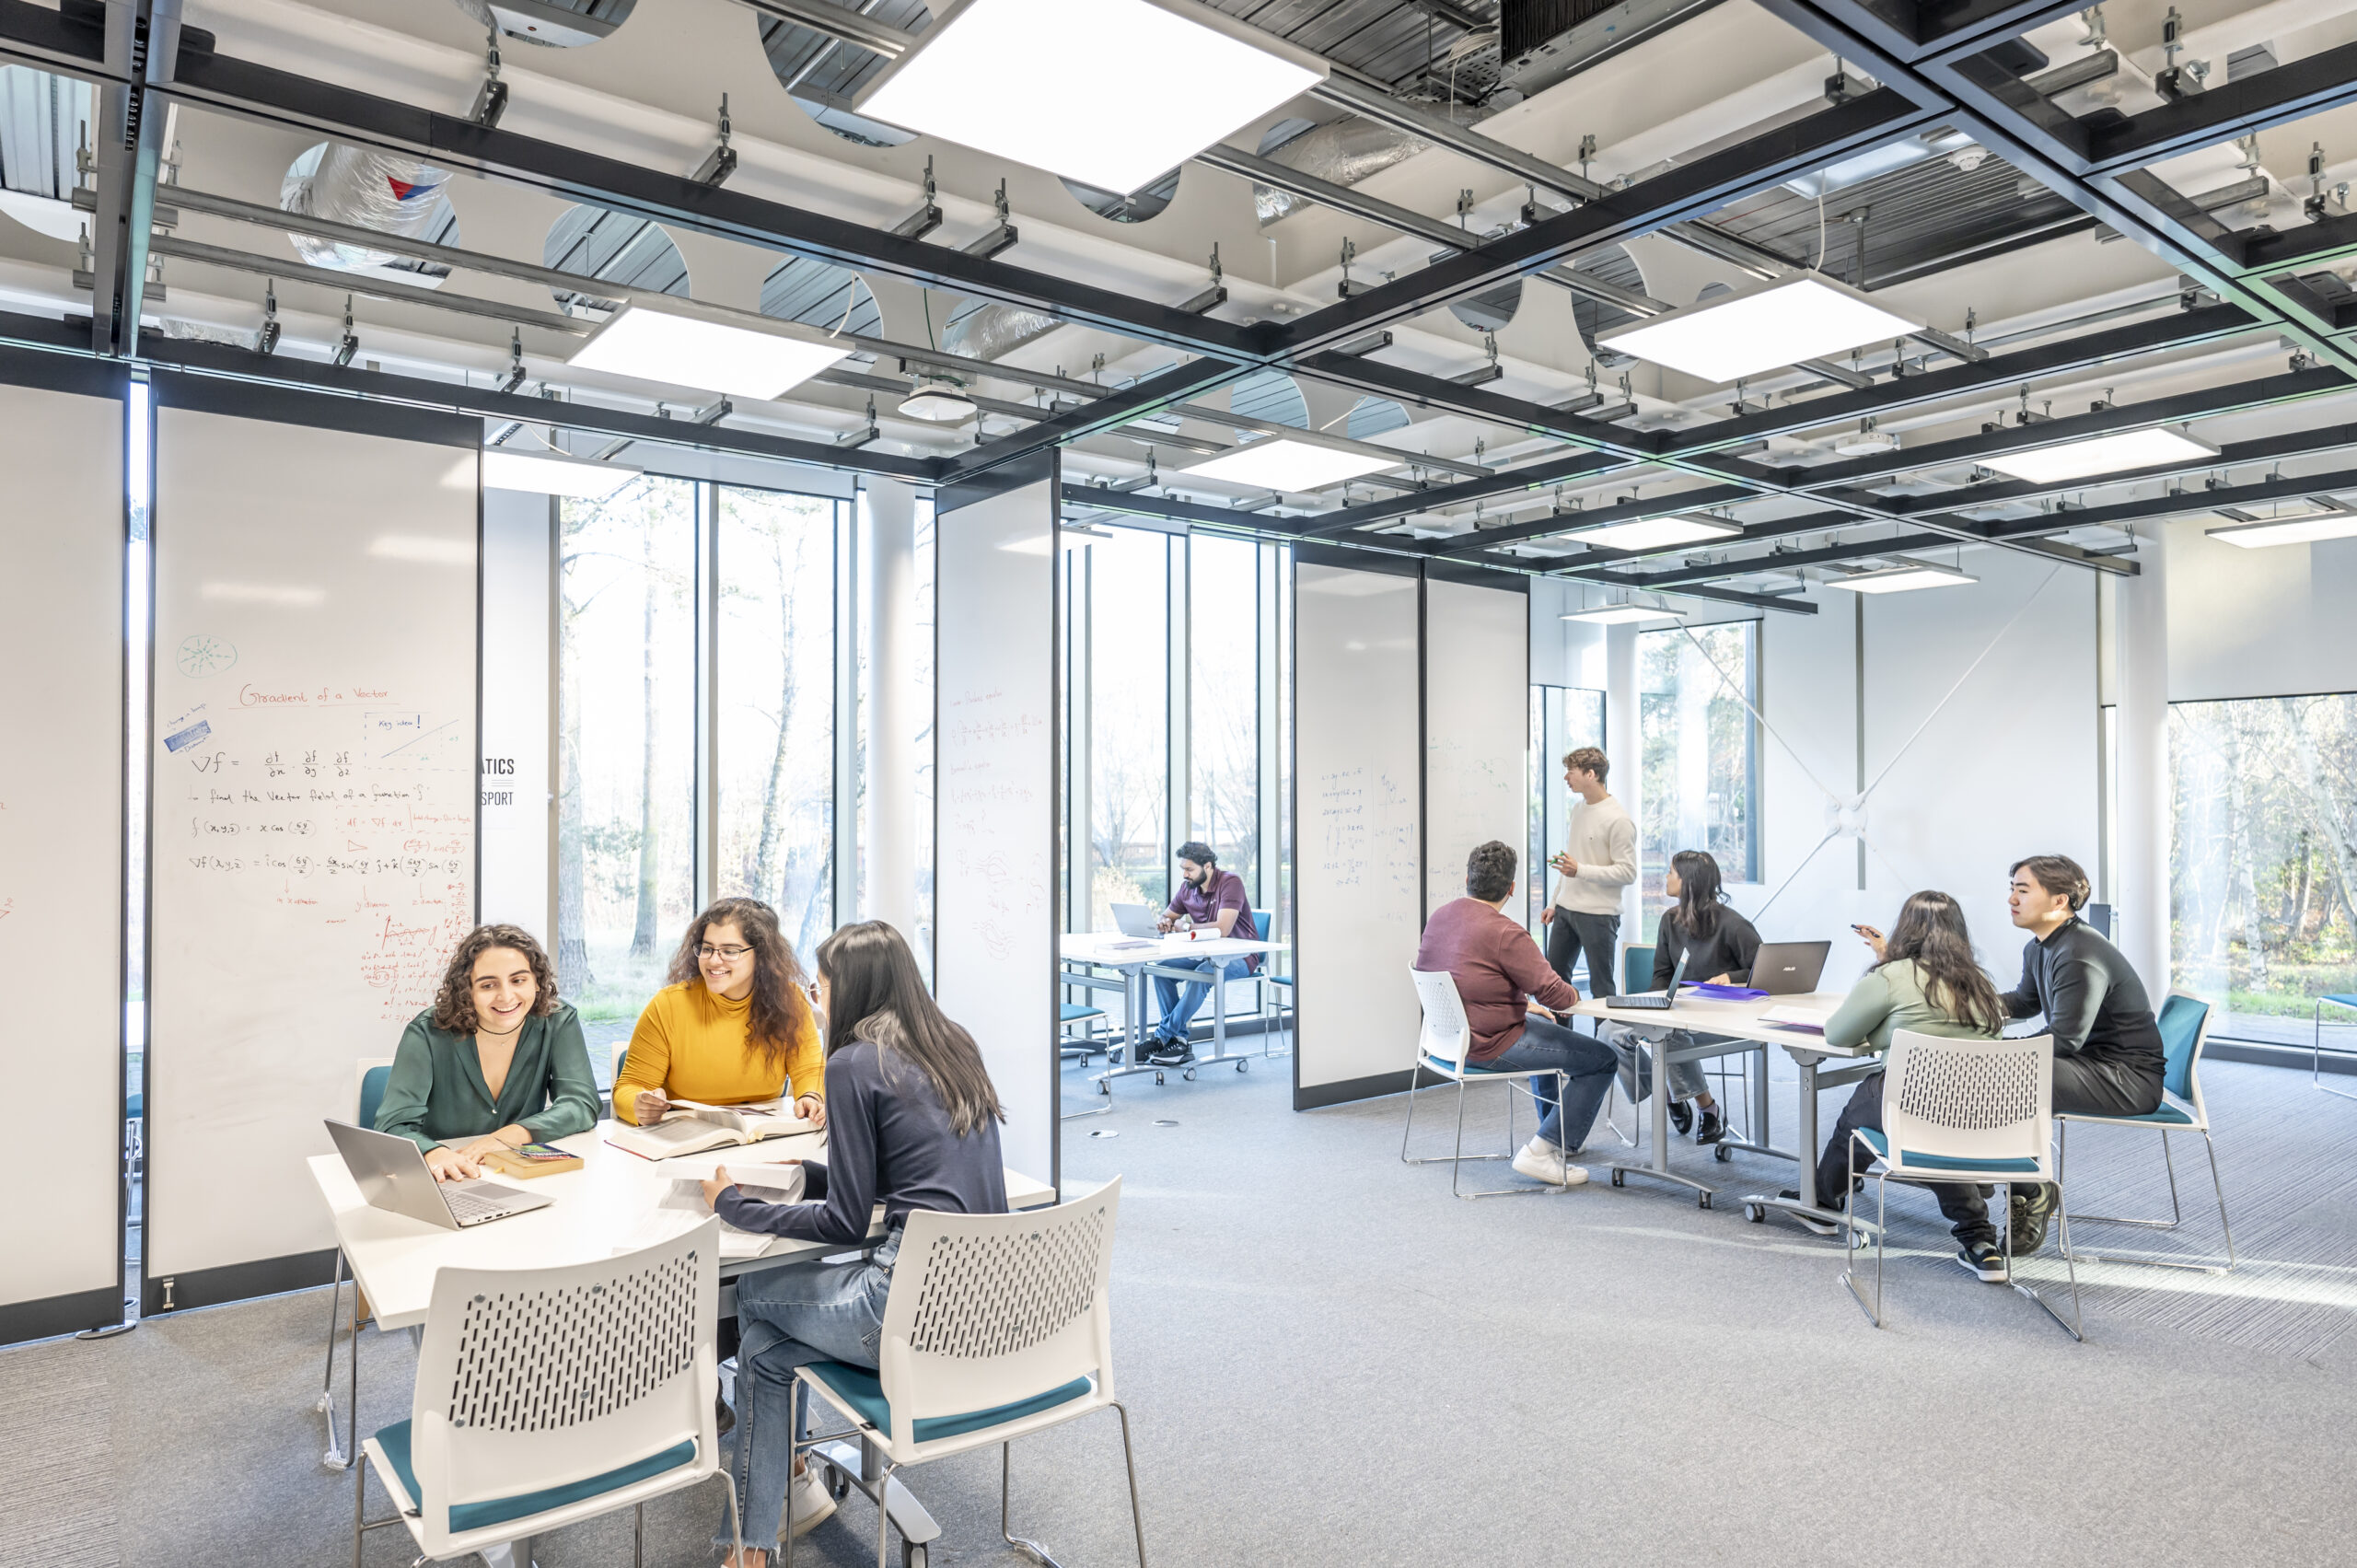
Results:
<point x="1128" y="577"/>
<point x="1224" y="705"/>
<point x="1562" y="719"/>
<point x="1697" y="689"/>
<point x="776" y="731"/>
<point x="2263" y="861"/>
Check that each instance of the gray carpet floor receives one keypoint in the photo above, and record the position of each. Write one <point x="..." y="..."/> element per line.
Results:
<point x="1330" y="1360"/>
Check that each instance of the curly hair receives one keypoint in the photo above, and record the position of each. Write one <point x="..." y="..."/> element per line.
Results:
<point x="779" y="1011"/>
<point x="454" y="1004"/>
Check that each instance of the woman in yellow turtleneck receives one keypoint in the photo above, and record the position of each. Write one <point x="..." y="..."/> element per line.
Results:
<point x="733" y="1026"/>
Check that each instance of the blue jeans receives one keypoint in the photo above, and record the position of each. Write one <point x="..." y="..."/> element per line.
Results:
<point x="788" y="1318"/>
<point x="1548" y="1047"/>
<point x="1179" y="1011"/>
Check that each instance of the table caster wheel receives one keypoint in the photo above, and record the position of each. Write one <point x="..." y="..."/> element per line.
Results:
<point x="1616" y="1179"/>
<point x="1105" y="1089"/>
<point x="1754" y="1213"/>
<point x="1157" y="1077"/>
<point x="1721" y="1154"/>
<point x="1704" y="1200"/>
<point x="914" y="1555"/>
<point x="1189" y="1074"/>
<point x="1241" y="1066"/>
<point x="838" y="1484"/>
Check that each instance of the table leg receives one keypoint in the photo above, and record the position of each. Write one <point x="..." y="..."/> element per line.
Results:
<point x="1658" y="1163"/>
<point x="1756" y="1204"/>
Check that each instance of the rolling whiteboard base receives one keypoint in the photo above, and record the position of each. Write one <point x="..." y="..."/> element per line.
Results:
<point x="76" y="1312"/>
<point x="238" y="1282"/>
<point x="1318" y="1096"/>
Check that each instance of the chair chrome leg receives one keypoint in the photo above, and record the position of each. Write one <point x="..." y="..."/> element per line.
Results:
<point x="736" y="1524"/>
<point x="1030" y="1548"/>
<point x="2075" y="1325"/>
<point x="883" y="1515"/>
<point x="1850" y="1240"/>
<point x="2176" y="1217"/>
<point x="638" y="1537"/>
<point x="2216" y="1186"/>
<point x="1137" y="1520"/>
<point x="1456" y="1162"/>
<point x="335" y="1458"/>
<point x="1413" y="1073"/>
<point x="359" y="1502"/>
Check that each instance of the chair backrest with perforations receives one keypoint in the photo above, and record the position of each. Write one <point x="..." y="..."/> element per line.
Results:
<point x="1972" y="1099"/>
<point x="1446" y="1036"/>
<point x="531" y="1378"/>
<point x="991" y="1309"/>
<point x="2185" y="1030"/>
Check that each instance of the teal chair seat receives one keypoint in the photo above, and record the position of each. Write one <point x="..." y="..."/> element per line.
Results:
<point x="2167" y="1115"/>
<point x="863" y="1392"/>
<point x="1073" y="1012"/>
<point x="2347" y="999"/>
<point x="1913" y="1161"/>
<point x="394" y="1441"/>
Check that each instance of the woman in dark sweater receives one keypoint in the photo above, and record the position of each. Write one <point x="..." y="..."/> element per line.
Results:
<point x="911" y="1123"/>
<point x="1718" y="946"/>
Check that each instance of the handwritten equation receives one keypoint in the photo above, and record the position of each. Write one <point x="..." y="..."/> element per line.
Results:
<point x="1367" y="830"/>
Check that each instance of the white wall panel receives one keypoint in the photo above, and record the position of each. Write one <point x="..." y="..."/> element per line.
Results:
<point x="996" y="920"/>
<point x="61" y="856"/>
<point x="2273" y="622"/>
<point x="1357" y="783"/>
<point x="517" y="802"/>
<point x="1477" y="729"/>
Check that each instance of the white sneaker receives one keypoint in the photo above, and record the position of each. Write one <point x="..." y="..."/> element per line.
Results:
<point x="1542" y="1161"/>
<point x="808" y="1501"/>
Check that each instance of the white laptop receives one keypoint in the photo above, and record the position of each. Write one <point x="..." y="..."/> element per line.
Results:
<point x="393" y="1173"/>
<point x="1137" y="919"/>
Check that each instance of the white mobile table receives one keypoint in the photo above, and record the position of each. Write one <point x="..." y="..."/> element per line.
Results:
<point x="1137" y="962"/>
<point x="594" y="1211"/>
<point x="1736" y="1022"/>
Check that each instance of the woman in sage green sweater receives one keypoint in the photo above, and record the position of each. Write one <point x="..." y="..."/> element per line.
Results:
<point x="1926" y="981"/>
<point x="497" y="1062"/>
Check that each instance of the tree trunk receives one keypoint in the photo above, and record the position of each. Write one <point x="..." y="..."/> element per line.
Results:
<point x="2331" y="821"/>
<point x="643" y="931"/>
<point x="768" y="871"/>
<point x="2242" y="852"/>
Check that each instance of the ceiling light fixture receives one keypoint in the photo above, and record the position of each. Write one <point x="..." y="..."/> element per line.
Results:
<point x="2301" y="527"/>
<point x="1658" y="533"/>
<point x="1279" y="463"/>
<point x="1901" y="579"/>
<point x="1621" y="615"/>
<point x="2102" y="453"/>
<point x="939" y="400"/>
<point x="544" y="473"/>
<point x="1111" y="93"/>
<point x="680" y="344"/>
<point x="1761" y="327"/>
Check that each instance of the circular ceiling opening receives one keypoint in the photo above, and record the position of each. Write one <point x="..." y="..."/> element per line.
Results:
<point x="824" y="74"/>
<point x="1145" y="201"/>
<point x="611" y="247"/>
<point x="555" y="24"/>
<point x="367" y="188"/>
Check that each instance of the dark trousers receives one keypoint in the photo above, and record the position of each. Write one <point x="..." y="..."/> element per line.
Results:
<point x="2081" y="1088"/>
<point x="1570" y="933"/>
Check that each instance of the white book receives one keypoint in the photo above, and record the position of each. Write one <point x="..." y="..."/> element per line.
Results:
<point x="691" y="1126"/>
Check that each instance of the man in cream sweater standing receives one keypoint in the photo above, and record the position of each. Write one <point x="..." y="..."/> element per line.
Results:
<point x="1583" y="914"/>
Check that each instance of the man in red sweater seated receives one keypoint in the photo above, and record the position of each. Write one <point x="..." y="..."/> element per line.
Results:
<point x="1499" y="969"/>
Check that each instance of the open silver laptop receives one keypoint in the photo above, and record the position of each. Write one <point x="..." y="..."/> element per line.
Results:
<point x="1137" y="919"/>
<point x="393" y="1173"/>
<point x="1789" y="968"/>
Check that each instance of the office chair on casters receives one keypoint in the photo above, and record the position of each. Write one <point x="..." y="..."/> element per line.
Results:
<point x="550" y="1396"/>
<point x="1090" y="1018"/>
<point x="1442" y="1049"/>
<point x="1962" y="1110"/>
<point x="2185" y="1030"/>
<point x="374" y="1072"/>
<point x="997" y="1325"/>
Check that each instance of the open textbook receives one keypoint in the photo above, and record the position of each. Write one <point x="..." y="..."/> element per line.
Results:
<point x="691" y="1126"/>
<point x="683" y="1206"/>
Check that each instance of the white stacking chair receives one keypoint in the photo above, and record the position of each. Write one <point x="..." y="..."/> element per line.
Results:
<point x="997" y="1325"/>
<point x="2185" y="1032"/>
<point x="546" y="1396"/>
<point x="1963" y="1111"/>
<point x="1442" y="1049"/>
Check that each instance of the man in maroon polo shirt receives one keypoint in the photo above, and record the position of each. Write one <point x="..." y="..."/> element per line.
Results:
<point x="1213" y="903"/>
<point x="1499" y="969"/>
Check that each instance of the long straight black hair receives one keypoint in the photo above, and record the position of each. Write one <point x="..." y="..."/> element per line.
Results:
<point x="1931" y="933"/>
<point x="1699" y="897"/>
<point x="874" y="993"/>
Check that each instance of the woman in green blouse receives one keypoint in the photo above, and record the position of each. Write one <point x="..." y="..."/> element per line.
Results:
<point x="496" y="1063"/>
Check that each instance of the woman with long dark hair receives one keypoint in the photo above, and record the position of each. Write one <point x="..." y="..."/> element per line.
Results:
<point x="496" y="1063"/>
<point x="732" y="1026"/>
<point x="1718" y="945"/>
<point x="914" y="1126"/>
<point x="1925" y="979"/>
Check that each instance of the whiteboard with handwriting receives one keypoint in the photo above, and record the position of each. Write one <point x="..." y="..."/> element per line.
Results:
<point x="313" y="748"/>
<point x="995" y="907"/>
<point x="1358" y="804"/>
<point x="1477" y="736"/>
<point x="61" y="856"/>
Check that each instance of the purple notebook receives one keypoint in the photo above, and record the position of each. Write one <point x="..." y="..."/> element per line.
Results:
<point x="1726" y="992"/>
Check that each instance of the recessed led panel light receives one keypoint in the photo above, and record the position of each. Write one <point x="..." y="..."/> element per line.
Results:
<point x="681" y="346"/>
<point x="1621" y="615"/>
<point x="2102" y="453"/>
<point x="546" y="475"/>
<point x="1280" y="462"/>
<point x="1111" y="93"/>
<point x="1763" y="327"/>
<point x="1900" y="580"/>
<point x="1658" y="533"/>
<point x="2305" y="528"/>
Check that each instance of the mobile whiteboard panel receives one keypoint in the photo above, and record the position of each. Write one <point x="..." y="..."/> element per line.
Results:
<point x="62" y="568"/>
<point x="313" y="846"/>
<point x="996" y="920"/>
<point x="1476" y="729"/>
<point x="1358" y="814"/>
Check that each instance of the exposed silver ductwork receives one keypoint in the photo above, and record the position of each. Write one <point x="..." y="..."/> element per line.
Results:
<point x="994" y="330"/>
<point x="1342" y="151"/>
<point x="368" y="189"/>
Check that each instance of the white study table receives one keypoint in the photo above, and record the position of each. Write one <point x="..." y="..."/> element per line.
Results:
<point x="1742" y="1021"/>
<point x="595" y="1212"/>
<point x="1140" y="960"/>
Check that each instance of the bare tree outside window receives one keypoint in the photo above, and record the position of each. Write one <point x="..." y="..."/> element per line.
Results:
<point x="1701" y="748"/>
<point x="1129" y="783"/>
<point x="1223" y="691"/>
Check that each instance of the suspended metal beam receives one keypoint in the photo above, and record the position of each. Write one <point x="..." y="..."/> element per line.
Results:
<point x="2322" y="81"/>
